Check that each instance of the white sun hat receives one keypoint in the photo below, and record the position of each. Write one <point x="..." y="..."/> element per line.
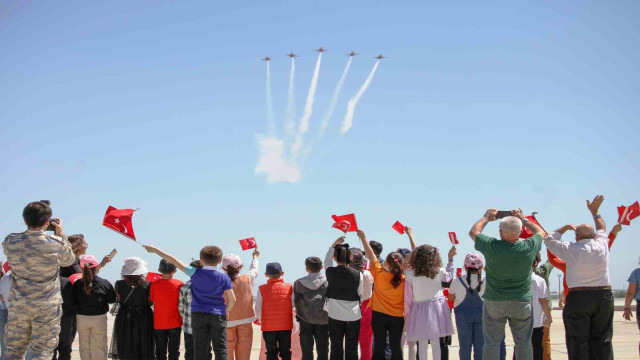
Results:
<point x="134" y="266"/>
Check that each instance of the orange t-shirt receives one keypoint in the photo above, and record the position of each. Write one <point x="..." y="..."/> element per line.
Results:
<point x="164" y="294"/>
<point x="386" y="299"/>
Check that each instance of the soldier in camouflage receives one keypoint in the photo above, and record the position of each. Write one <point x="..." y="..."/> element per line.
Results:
<point x="35" y="310"/>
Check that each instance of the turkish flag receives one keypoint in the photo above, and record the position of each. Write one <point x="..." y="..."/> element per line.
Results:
<point x="6" y="267"/>
<point x="249" y="243"/>
<point x="458" y="272"/>
<point x="119" y="221"/>
<point x="351" y="218"/>
<point x="151" y="276"/>
<point x="75" y="277"/>
<point x="398" y="227"/>
<point x="445" y="292"/>
<point x="525" y="233"/>
<point x="626" y="214"/>
<point x="343" y="226"/>
<point x="453" y="238"/>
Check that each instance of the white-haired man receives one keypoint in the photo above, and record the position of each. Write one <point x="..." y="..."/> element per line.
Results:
<point x="508" y="291"/>
<point x="588" y="314"/>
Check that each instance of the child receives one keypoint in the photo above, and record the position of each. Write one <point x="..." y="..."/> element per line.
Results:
<point x="428" y="314"/>
<point x="209" y="288"/>
<point x="167" y="322"/>
<point x="184" y="307"/>
<point x="466" y="295"/>
<point x="274" y="309"/>
<point x="344" y="295"/>
<point x="91" y="297"/>
<point x="310" y="296"/>
<point x="240" y="319"/>
<point x="366" y="332"/>
<point x="133" y="336"/>
<point x="541" y="310"/>
<point x="387" y="302"/>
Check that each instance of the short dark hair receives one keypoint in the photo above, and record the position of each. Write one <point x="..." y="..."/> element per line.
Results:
<point x="166" y="267"/>
<point x="211" y="255"/>
<point x="313" y="264"/>
<point x="377" y="248"/>
<point x="36" y="214"/>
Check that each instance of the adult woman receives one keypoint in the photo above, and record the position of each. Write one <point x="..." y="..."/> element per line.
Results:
<point x="79" y="245"/>
<point x="133" y="336"/>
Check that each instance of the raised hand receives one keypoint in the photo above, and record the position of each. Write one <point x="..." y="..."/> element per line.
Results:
<point x="256" y="253"/>
<point x="361" y="235"/>
<point x="490" y="214"/>
<point x="616" y="229"/>
<point x="409" y="231"/>
<point x="594" y="205"/>
<point x="339" y="241"/>
<point x="150" y="248"/>
<point x="452" y="252"/>
<point x="517" y="213"/>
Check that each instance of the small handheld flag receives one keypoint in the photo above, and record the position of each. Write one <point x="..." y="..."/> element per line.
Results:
<point x="351" y="218"/>
<point x="626" y="214"/>
<point x="120" y="221"/>
<point x="6" y="267"/>
<point x="453" y="238"/>
<point x="249" y="243"/>
<point x="342" y="225"/>
<point x="397" y="226"/>
<point x="458" y="271"/>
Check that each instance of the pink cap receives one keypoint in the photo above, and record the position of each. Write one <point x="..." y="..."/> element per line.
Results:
<point x="90" y="260"/>
<point x="231" y="259"/>
<point x="473" y="260"/>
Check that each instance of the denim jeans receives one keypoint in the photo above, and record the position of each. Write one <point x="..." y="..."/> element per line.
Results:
<point x="495" y="316"/>
<point x="470" y="336"/>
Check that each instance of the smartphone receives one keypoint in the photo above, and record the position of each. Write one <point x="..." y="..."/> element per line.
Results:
<point x="503" y="214"/>
<point x="113" y="253"/>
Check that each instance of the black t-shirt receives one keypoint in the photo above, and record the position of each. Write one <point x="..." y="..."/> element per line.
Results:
<point x="66" y="290"/>
<point x="96" y="303"/>
<point x="74" y="268"/>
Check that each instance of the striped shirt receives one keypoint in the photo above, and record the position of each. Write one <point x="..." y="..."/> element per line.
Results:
<point x="184" y="306"/>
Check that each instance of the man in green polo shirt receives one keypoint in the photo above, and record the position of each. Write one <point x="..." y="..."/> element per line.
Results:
<point x="508" y="288"/>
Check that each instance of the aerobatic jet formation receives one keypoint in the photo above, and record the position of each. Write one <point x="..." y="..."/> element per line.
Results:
<point x="321" y="50"/>
<point x="353" y="53"/>
<point x="266" y="58"/>
<point x="291" y="55"/>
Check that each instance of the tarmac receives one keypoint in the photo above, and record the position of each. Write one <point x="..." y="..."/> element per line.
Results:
<point x="625" y="340"/>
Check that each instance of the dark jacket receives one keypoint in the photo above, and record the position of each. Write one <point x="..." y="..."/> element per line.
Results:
<point x="343" y="283"/>
<point x="96" y="303"/>
<point x="309" y="295"/>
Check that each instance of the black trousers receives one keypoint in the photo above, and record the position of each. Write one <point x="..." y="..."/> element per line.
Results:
<point x="65" y="340"/>
<point x="277" y="343"/>
<point x="209" y="330"/>
<point x="167" y="339"/>
<point x="188" y="348"/>
<point x="382" y="325"/>
<point x="588" y="320"/>
<point x="344" y="339"/>
<point x="310" y="334"/>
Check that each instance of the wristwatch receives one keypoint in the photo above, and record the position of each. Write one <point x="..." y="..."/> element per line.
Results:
<point x="597" y="216"/>
<point x="525" y="220"/>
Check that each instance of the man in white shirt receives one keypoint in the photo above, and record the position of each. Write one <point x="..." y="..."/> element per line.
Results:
<point x="588" y="313"/>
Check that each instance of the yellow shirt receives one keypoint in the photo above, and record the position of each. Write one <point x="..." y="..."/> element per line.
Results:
<point x="386" y="299"/>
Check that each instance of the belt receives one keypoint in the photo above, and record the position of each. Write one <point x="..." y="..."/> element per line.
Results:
<point x="590" y="288"/>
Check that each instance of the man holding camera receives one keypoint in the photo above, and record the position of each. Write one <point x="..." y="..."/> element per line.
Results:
<point x="35" y="256"/>
<point x="508" y="291"/>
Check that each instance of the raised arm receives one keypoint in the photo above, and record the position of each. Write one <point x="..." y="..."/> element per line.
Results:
<point x="489" y="215"/>
<point x="328" y="259"/>
<point x="409" y="232"/>
<point x="170" y="258"/>
<point x="555" y="245"/>
<point x="368" y="251"/>
<point x="556" y="261"/>
<point x="593" y="207"/>
<point x="614" y="233"/>
<point x="530" y="225"/>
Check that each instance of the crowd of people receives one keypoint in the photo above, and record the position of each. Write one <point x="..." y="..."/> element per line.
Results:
<point x="354" y="304"/>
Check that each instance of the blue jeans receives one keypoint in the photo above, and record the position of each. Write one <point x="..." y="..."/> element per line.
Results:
<point x="495" y="316"/>
<point x="470" y="335"/>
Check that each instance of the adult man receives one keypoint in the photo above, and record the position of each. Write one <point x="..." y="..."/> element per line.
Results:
<point x="508" y="289"/>
<point x="35" y="311"/>
<point x="588" y="314"/>
<point x="633" y="292"/>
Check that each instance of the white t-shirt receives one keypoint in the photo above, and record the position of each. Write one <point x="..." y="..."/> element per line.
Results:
<point x="367" y="289"/>
<point x="538" y="291"/>
<point x="459" y="290"/>
<point x="425" y="288"/>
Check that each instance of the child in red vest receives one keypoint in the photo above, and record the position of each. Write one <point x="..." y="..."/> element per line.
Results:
<point x="167" y="322"/>
<point x="274" y="309"/>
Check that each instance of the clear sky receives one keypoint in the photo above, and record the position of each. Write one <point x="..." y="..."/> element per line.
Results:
<point x="158" y="105"/>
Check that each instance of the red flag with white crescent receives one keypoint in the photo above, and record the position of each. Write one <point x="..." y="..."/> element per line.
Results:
<point x="342" y="225"/>
<point x="6" y="267"/>
<point x="351" y="218"/>
<point x="397" y="226"/>
<point x="249" y="243"/>
<point x="453" y="238"/>
<point x="119" y="220"/>
<point x="626" y="214"/>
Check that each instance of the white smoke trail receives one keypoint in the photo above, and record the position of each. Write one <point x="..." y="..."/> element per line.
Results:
<point x="289" y="124"/>
<point x="334" y="100"/>
<point x="270" y="119"/>
<point x="308" y="110"/>
<point x="351" y="106"/>
<point x="273" y="163"/>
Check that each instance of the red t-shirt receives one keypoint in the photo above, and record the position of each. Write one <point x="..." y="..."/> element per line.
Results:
<point x="164" y="295"/>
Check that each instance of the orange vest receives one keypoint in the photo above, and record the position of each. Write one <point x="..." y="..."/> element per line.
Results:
<point x="277" y="312"/>
<point x="243" y="307"/>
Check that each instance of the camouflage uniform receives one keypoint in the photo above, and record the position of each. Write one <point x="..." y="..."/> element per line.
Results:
<point x="35" y="301"/>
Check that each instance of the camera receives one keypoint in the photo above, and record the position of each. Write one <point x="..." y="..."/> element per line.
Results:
<point x="50" y="227"/>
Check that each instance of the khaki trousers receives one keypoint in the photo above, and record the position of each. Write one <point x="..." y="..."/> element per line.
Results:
<point x="546" y="344"/>
<point x="92" y="333"/>
<point x="239" y="341"/>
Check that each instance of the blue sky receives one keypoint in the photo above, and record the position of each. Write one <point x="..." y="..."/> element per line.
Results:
<point x="157" y="106"/>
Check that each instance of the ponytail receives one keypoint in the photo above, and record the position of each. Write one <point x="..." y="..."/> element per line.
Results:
<point x="479" y="279"/>
<point x="87" y="278"/>
<point x="469" y="281"/>
<point x="342" y="254"/>
<point x="232" y="272"/>
<point x="470" y="271"/>
<point x="394" y="262"/>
